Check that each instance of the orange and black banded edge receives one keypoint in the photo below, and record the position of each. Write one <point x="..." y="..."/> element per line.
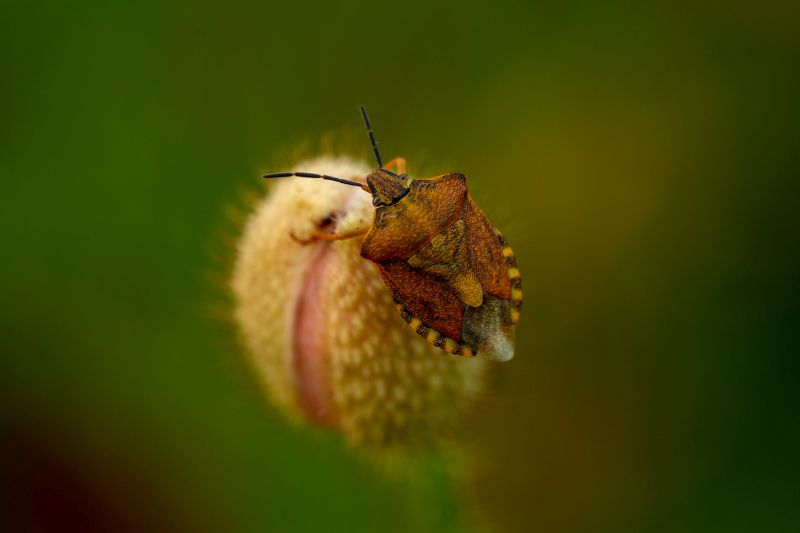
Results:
<point x="434" y="337"/>
<point x="513" y="276"/>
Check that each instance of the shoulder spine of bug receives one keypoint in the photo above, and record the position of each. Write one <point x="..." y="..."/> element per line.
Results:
<point x="453" y="277"/>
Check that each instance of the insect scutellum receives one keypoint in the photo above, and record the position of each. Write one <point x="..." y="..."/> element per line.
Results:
<point x="385" y="186"/>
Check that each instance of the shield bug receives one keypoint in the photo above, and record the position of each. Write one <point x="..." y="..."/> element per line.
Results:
<point x="453" y="277"/>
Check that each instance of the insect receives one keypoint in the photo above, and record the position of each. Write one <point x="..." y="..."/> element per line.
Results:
<point x="453" y="277"/>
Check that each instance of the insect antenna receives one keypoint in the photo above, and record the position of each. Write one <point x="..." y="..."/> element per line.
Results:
<point x="312" y="175"/>
<point x="371" y="136"/>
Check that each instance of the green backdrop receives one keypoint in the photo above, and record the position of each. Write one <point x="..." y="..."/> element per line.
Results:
<point x="641" y="159"/>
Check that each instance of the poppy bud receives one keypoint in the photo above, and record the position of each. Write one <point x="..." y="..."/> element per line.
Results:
<point x="321" y="327"/>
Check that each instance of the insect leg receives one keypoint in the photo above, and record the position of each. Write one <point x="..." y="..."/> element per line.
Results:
<point x="399" y="163"/>
<point x="328" y="236"/>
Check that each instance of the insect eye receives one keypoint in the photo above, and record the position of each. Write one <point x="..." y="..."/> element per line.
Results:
<point x="376" y="201"/>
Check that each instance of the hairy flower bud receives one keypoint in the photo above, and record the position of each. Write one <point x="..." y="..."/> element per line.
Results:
<point x="321" y="327"/>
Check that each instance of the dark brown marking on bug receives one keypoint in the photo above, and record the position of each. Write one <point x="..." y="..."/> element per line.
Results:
<point x="404" y="312"/>
<point x="439" y="341"/>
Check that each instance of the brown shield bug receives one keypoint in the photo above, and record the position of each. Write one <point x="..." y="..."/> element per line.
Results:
<point x="453" y="277"/>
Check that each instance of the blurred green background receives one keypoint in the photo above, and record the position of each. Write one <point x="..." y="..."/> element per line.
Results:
<point x="641" y="159"/>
